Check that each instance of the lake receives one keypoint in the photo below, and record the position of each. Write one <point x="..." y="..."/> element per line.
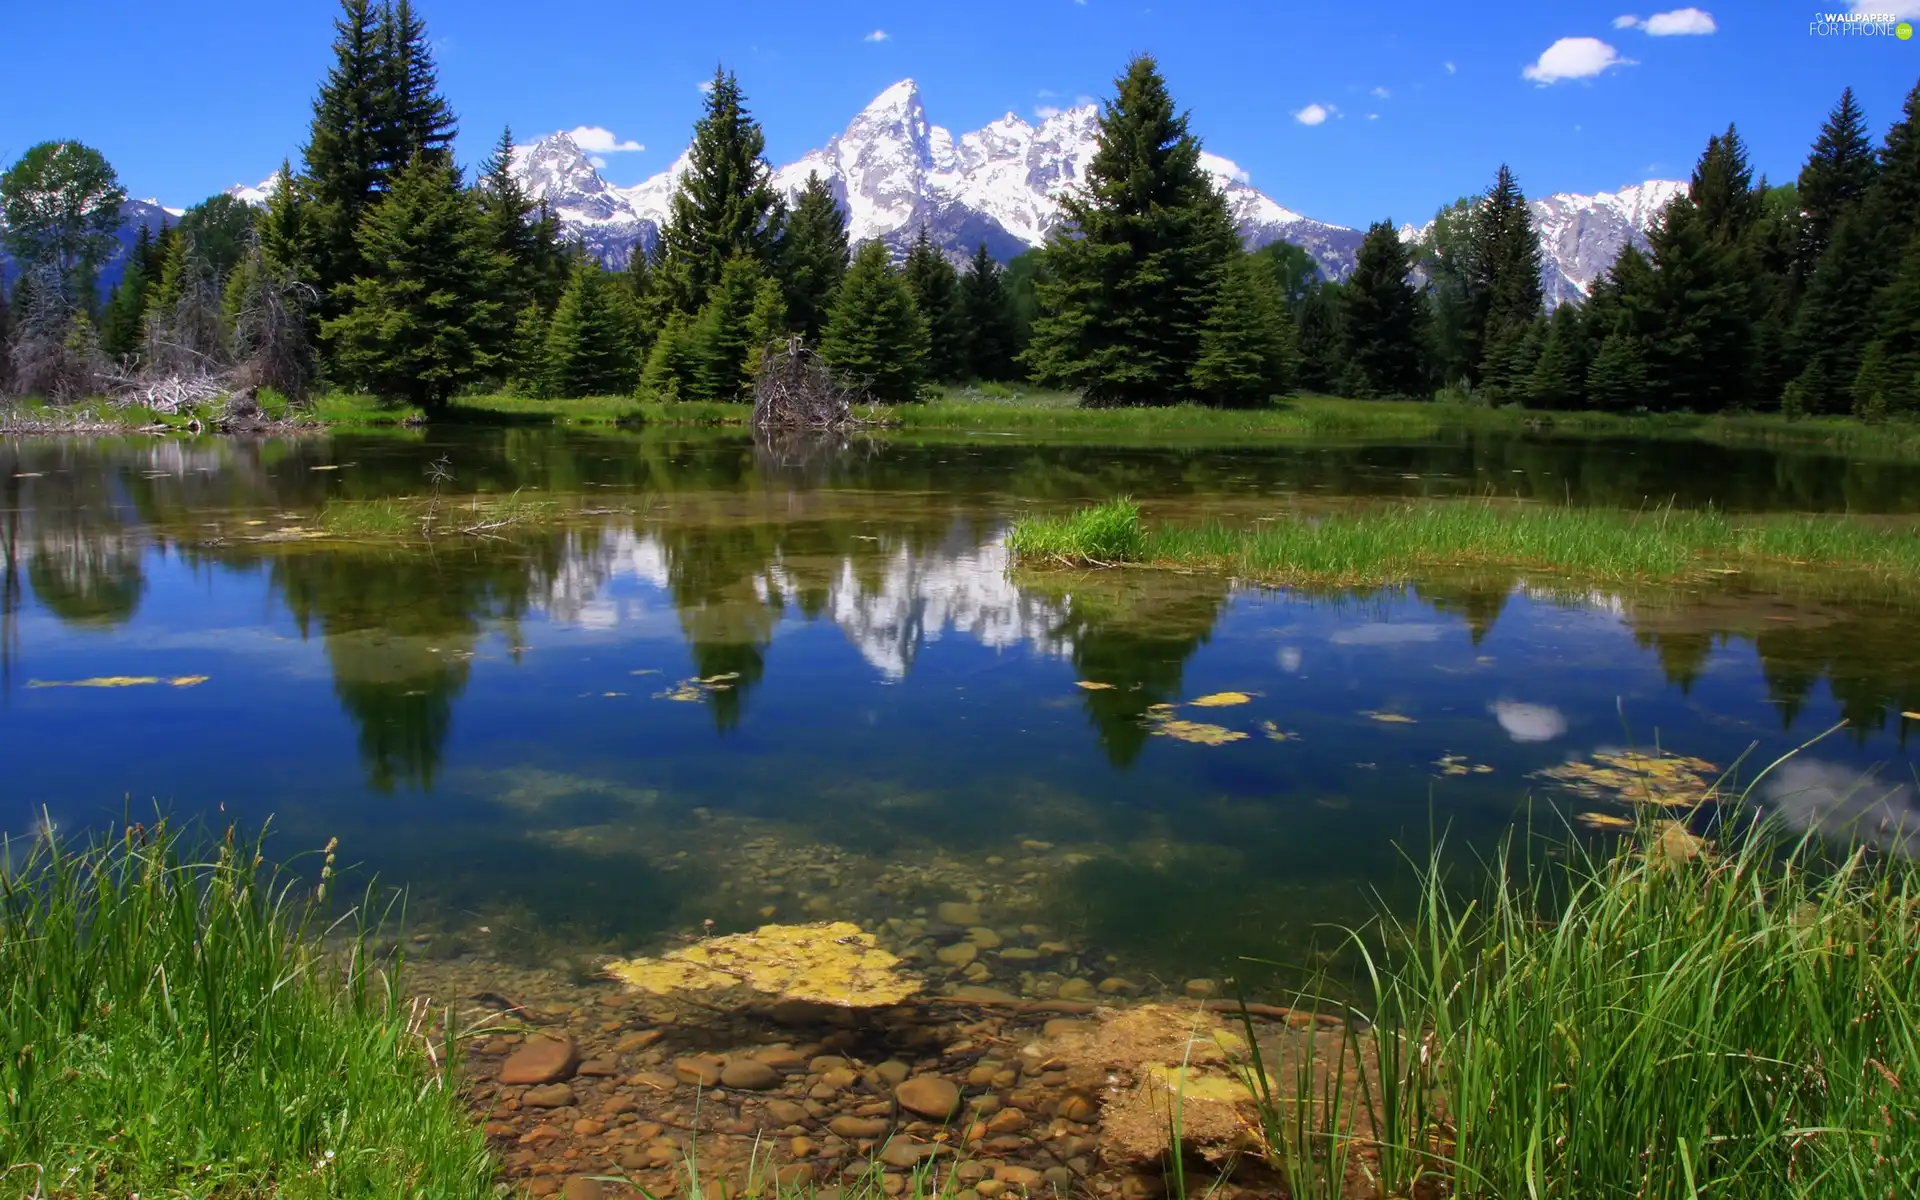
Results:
<point x="748" y="684"/>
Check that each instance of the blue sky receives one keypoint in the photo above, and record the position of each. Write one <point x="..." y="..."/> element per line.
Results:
<point x="1420" y="101"/>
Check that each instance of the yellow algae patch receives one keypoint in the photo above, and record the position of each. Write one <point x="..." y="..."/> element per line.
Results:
<point x="1388" y="718"/>
<point x="1276" y="734"/>
<point x="1092" y="685"/>
<point x="829" y="962"/>
<point x="1594" y="820"/>
<point x="1193" y="1084"/>
<point x="119" y="681"/>
<point x="1197" y="732"/>
<point x="692" y="691"/>
<point x="1221" y="700"/>
<point x="1457" y="764"/>
<point x="1911" y="716"/>
<point x="1630" y="777"/>
<point x="1675" y="844"/>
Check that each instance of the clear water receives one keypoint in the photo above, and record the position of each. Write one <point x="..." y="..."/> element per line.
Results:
<point x="504" y="724"/>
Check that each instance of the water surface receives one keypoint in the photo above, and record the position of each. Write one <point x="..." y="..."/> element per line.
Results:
<point x="801" y="682"/>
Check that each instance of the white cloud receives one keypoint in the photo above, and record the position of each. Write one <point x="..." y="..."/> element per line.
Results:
<point x="598" y="162"/>
<point x="1380" y="92"/>
<point x="596" y="140"/>
<point x="1082" y="100"/>
<point x="1213" y="164"/>
<point x="705" y="85"/>
<point x="1046" y="112"/>
<point x="1681" y="22"/>
<point x="1373" y="116"/>
<point x="878" y="35"/>
<point x="1574" y="58"/>
<point x="1450" y="67"/>
<point x="1313" y="114"/>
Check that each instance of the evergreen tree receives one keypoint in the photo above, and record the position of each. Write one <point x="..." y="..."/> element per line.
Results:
<point x="1246" y="343"/>
<point x="875" y="338"/>
<point x="1381" y="319"/>
<point x="989" y="319"/>
<point x="936" y="294"/>
<point x="121" y="321"/>
<point x="1703" y="342"/>
<point x="1617" y="380"/>
<point x="549" y="262"/>
<point x="1455" y="320"/>
<point x="1829" y="332"/>
<point x="414" y="324"/>
<point x="1837" y="175"/>
<point x="767" y="324"/>
<point x="726" y="204"/>
<point x="1503" y="284"/>
<point x="1894" y="197"/>
<point x="722" y="334"/>
<point x="670" y="360"/>
<point x="526" y="366"/>
<point x="1320" y="334"/>
<point x="284" y="235"/>
<point x="1888" y="382"/>
<point x="413" y="115"/>
<point x="505" y="214"/>
<point x="1129" y="276"/>
<point x="813" y="257"/>
<point x="344" y="152"/>
<point x="1722" y="189"/>
<point x="1559" y="378"/>
<point x="589" y="350"/>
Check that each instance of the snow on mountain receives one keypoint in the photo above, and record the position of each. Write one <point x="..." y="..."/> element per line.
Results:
<point x="1580" y="236"/>
<point x="254" y="194"/>
<point x="893" y="171"/>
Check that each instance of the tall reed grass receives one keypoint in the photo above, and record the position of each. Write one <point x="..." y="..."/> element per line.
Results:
<point x="1649" y="1022"/>
<point x="173" y="1025"/>
<point x="1389" y="543"/>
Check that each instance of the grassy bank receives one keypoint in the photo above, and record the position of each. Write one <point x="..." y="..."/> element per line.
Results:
<point x="170" y="1026"/>
<point x="1391" y="543"/>
<point x="1660" y="1021"/>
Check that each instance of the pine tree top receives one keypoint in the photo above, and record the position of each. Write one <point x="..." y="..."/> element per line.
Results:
<point x="726" y="203"/>
<point x="1146" y="156"/>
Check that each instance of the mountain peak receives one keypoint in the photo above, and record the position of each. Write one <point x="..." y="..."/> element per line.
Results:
<point x="902" y="96"/>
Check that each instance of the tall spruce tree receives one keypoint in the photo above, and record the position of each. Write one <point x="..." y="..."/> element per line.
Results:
<point x="1559" y="377"/>
<point x="1703" y="341"/>
<point x="1829" y="334"/>
<point x="1380" y="321"/>
<point x="1503" y="284"/>
<point x="1129" y="277"/>
<point x="526" y="365"/>
<point x="991" y="343"/>
<point x="414" y="116"/>
<point x="767" y="325"/>
<point x="722" y="334"/>
<point x="120" y="322"/>
<point x="1894" y="198"/>
<point x="1722" y="189"/>
<point x="1617" y="379"/>
<point x="1320" y="335"/>
<point x="726" y="204"/>
<point x="344" y="152"/>
<point x="414" y="325"/>
<point x="505" y="213"/>
<point x="1454" y="321"/>
<point x="936" y="294"/>
<point x="589" y="340"/>
<point x="1246" y="343"/>
<point x="875" y="338"/>
<point x="813" y="257"/>
<point x="1888" y="380"/>
<point x="1836" y="177"/>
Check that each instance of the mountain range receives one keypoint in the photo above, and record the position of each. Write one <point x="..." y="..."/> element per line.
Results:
<point x="894" y="172"/>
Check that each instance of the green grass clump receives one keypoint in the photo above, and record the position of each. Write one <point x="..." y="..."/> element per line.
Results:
<point x="1658" y="1021"/>
<point x="1101" y="536"/>
<point x="356" y="410"/>
<point x="1390" y="543"/>
<point x="171" y="1025"/>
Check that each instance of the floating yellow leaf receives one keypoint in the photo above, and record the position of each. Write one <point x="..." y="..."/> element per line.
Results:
<point x="692" y="691"/>
<point x="1630" y="777"/>
<point x="1595" y="820"/>
<point x="1221" y="700"/>
<point x="1675" y="844"/>
<point x="1911" y="716"/>
<point x="104" y="681"/>
<point x="1198" y="732"/>
<point x="1387" y="718"/>
<point x="187" y="680"/>
<point x="327" y="467"/>
<point x="830" y="962"/>
<point x="1276" y="734"/>
<point x="645" y="671"/>
<point x="1191" y="1084"/>
<point x="1092" y="685"/>
<point x="1161" y="708"/>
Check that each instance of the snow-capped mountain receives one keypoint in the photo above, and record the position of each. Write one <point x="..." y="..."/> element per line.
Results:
<point x="894" y="172"/>
<point x="1580" y="236"/>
